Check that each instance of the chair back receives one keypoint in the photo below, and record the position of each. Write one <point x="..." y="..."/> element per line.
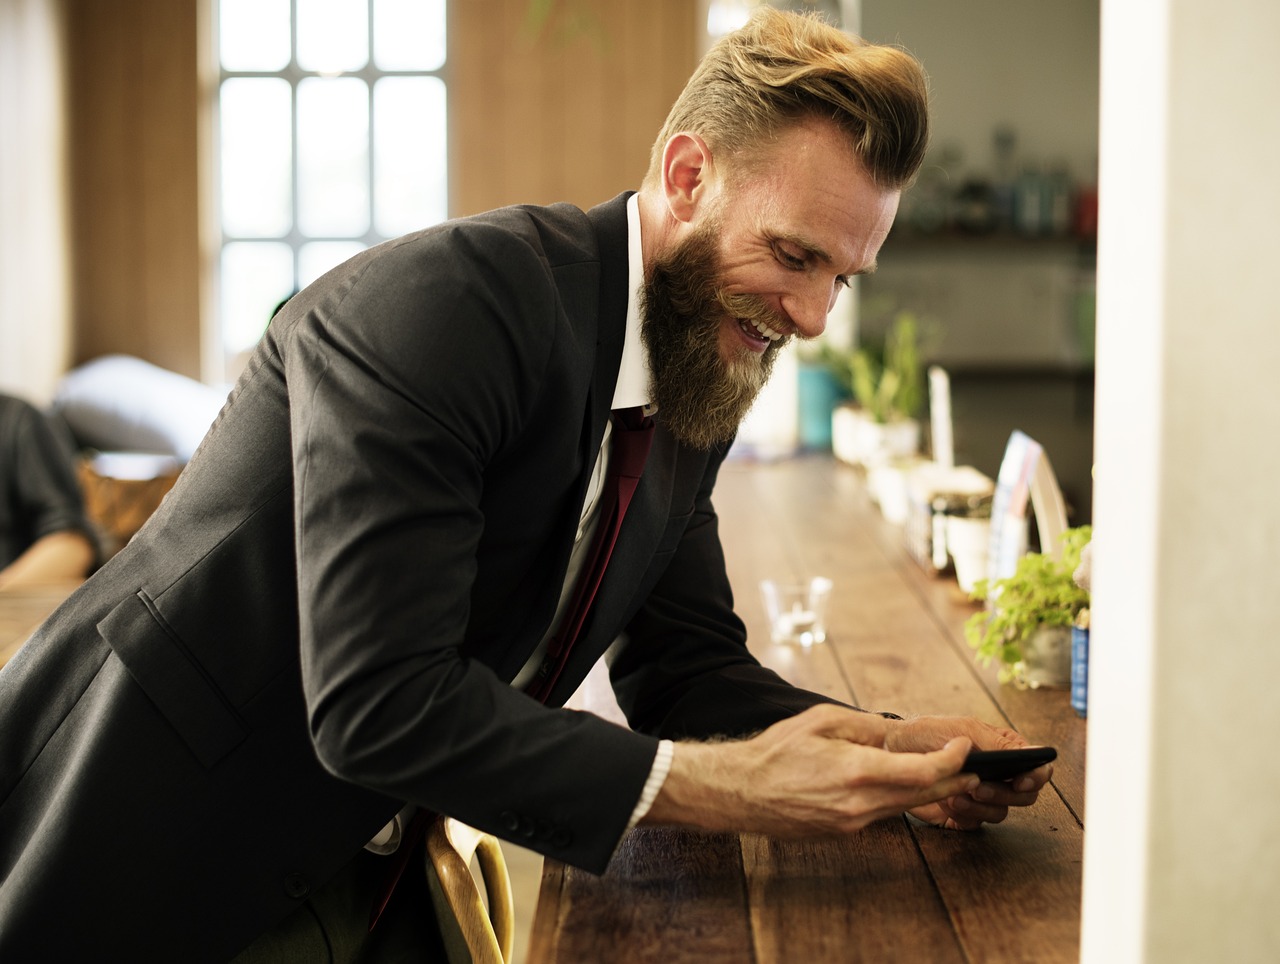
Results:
<point x="472" y="934"/>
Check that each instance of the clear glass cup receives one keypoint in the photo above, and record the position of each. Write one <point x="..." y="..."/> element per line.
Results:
<point x="797" y="610"/>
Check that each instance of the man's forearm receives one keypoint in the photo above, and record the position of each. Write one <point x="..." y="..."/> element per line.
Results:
<point x="822" y="772"/>
<point x="833" y="770"/>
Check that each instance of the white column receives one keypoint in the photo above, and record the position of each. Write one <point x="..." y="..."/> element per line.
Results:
<point x="1182" y="838"/>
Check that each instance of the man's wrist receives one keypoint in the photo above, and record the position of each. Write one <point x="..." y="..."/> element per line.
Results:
<point x="688" y="796"/>
<point x="653" y="785"/>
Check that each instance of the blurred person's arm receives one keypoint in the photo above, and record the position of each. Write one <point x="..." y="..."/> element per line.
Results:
<point x="58" y="557"/>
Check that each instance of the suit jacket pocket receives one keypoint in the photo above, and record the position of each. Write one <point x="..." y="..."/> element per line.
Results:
<point x="166" y="671"/>
<point x="672" y="533"/>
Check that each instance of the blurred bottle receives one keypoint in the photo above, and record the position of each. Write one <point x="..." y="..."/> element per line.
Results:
<point x="1058" y="212"/>
<point x="931" y="201"/>
<point x="1030" y="202"/>
<point x="1080" y="664"/>
<point x="929" y="209"/>
<point x="974" y="212"/>
<point x="1004" y="142"/>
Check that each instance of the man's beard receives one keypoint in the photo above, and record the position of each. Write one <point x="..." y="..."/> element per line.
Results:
<point x="701" y="399"/>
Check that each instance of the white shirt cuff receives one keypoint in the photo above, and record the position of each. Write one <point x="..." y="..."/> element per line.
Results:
<point x="657" y="777"/>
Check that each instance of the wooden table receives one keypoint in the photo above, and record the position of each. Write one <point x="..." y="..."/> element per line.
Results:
<point x="900" y="890"/>
<point x="24" y="609"/>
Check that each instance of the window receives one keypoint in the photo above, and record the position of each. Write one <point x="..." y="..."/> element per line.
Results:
<point x="331" y="138"/>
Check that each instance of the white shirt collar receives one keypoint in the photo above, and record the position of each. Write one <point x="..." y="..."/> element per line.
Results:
<point x="633" y="386"/>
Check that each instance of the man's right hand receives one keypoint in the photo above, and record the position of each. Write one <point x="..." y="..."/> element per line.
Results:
<point x="820" y="773"/>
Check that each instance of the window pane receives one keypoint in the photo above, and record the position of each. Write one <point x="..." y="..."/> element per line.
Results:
<point x="256" y="276"/>
<point x="256" y="155"/>
<point x="408" y="34"/>
<point x="333" y="157"/>
<point x="333" y="35"/>
<point x="253" y="34"/>
<point x="410" y="187"/>
<point x="317" y="257"/>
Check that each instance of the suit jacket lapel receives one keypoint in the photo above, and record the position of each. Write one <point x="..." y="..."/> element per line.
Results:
<point x="610" y="223"/>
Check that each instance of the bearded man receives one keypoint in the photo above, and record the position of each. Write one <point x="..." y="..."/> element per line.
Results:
<point x="359" y="601"/>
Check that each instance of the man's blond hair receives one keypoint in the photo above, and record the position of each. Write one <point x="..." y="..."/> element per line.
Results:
<point x="782" y="68"/>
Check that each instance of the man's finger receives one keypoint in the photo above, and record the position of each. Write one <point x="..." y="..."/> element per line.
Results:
<point x="841" y="723"/>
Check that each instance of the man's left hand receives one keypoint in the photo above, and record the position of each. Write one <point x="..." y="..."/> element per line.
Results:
<point x="990" y="802"/>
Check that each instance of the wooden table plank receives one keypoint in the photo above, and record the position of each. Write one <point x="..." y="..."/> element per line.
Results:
<point x="1012" y="890"/>
<point x="668" y="895"/>
<point x="843" y="899"/>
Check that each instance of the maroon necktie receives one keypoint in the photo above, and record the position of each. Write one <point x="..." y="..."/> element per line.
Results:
<point x="632" y="437"/>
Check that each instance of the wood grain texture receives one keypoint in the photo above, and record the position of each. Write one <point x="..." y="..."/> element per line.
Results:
<point x="1012" y="890"/>
<point x="843" y="899"/>
<point x="134" y="175"/>
<point x="667" y="896"/>
<point x="564" y="112"/>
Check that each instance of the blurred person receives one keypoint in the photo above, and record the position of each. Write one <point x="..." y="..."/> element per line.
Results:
<point x="45" y="536"/>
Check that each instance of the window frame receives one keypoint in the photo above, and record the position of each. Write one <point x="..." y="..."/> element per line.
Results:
<point x="222" y="361"/>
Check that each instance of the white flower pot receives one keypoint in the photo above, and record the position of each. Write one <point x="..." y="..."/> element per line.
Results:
<point x="968" y="540"/>
<point x="1046" y="659"/>
<point x="888" y="487"/>
<point x="859" y="440"/>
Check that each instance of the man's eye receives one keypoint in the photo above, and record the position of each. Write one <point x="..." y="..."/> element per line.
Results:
<point x="789" y="259"/>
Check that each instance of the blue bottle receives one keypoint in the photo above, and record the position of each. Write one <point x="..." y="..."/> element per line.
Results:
<point x="1080" y="664"/>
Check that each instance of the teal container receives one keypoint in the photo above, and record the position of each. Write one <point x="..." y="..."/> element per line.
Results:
<point x="819" y="394"/>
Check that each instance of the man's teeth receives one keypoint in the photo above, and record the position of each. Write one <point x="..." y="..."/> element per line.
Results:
<point x="760" y="328"/>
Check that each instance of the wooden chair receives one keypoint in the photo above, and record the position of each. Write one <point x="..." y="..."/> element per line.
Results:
<point x="471" y="934"/>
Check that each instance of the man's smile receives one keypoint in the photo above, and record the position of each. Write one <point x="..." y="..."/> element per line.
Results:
<point x="756" y="334"/>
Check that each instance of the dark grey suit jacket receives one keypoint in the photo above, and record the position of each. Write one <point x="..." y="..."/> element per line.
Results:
<point x="321" y="620"/>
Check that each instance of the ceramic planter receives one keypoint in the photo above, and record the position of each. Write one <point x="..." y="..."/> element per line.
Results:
<point x="1046" y="659"/>
<point x="858" y="439"/>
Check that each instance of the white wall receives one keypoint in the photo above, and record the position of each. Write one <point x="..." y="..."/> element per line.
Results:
<point x="1033" y="66"/>
<point x="34" y="291"/>
<point x="1182" y="844"/>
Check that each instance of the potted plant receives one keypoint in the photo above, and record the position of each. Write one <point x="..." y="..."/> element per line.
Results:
<point x="887" y="385"/>
<point x="1027" y="626"/>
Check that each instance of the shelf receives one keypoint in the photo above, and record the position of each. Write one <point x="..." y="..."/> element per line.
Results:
<point x="905" y="240"/>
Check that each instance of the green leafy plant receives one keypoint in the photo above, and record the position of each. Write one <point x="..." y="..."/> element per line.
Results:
<point x="1041" y="592"/>
<point x="888" y="383"/>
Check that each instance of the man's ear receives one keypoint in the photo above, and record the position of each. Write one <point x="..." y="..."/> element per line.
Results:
<point x="687" y="174"/>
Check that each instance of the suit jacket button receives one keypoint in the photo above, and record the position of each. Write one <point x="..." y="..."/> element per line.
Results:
<point x="510" y="822"/>
<point x="296" y="886"/>
<point x="562" y="837"/>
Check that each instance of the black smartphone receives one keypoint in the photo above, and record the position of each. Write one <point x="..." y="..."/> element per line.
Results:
<point x="1007" y="764"/>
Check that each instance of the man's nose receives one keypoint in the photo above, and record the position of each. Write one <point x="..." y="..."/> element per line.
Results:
<point x="809" y="306"/>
